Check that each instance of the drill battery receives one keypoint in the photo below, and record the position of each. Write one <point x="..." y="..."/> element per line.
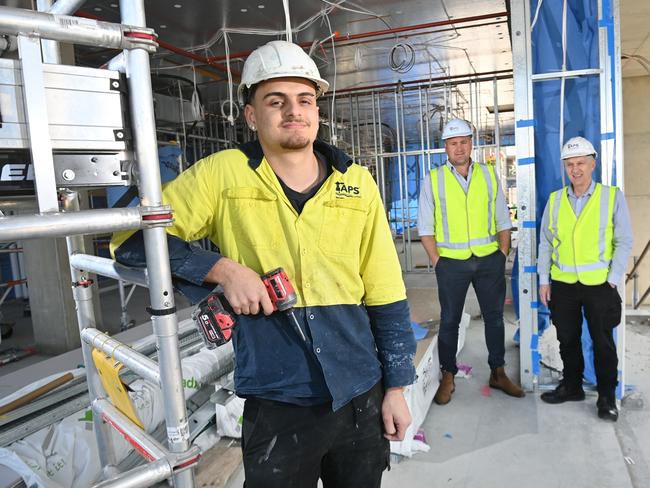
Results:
<point x="214" y="319"/>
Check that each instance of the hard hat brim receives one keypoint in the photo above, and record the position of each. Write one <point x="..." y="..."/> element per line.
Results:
<point x="579" y="155"/>
<point x="321" y="85"/>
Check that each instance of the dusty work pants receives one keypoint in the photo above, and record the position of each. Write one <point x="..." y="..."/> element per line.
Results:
<point x="290" y="446"/>
<point x="602" y="309"/>
<point x="487" y="276"/>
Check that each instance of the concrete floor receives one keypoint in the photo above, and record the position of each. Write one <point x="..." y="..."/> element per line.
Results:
<point x="479" y="441"/>
<point x="498" y="441"/>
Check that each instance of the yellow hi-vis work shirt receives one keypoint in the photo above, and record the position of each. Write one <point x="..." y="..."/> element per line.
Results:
<point x="583" y="246"/>
<point x="465" y="224"/>
<point x="339" y="250"/>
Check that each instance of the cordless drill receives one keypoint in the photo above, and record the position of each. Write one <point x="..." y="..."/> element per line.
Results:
<point x="283" y="296"/>
<point x="215" y="319"/>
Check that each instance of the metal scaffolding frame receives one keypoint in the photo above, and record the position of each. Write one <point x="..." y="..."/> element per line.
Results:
<point x="375" y="127"/>
<point x="178" y="458"/>
<point x="609" y="72"/>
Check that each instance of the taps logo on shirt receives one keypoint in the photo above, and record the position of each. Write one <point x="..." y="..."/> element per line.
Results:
<point x="346" y="191"/>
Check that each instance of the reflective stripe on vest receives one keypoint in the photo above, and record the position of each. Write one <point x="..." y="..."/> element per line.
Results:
<point x="464" y="221"/>
<point x="590" y="261"/>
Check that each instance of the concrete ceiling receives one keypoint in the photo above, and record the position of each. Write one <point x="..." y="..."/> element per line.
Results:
<point x="468" y="37"/>
<point x="461" y="38"/>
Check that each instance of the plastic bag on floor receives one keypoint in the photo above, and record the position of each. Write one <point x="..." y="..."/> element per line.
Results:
<point x="230" y="417"/>
<point x="56" y="457"/>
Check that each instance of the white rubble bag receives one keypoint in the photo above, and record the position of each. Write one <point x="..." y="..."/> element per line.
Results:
<point x="230" y="417"/>
<point x="549" y="349"/>
<point x="65" y="454"/>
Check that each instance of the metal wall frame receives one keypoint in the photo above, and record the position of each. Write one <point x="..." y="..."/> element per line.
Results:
<point x="361" y="122"/>
<point x="177" y="460"/>
<point x="611" y="120"/>
<point x="525" y="143"/>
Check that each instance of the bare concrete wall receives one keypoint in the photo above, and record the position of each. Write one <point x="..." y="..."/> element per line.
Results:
<point x="636" y="127"/>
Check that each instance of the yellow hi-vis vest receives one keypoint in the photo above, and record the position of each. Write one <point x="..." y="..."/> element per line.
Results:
<point x="583" y="246"/>
<point x="465" y="224"/>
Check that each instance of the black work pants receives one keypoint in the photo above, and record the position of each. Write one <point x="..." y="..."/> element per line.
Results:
<point x="290" y="446"/>
<point x="602" y="309"/>
<point x="487" y="276"/>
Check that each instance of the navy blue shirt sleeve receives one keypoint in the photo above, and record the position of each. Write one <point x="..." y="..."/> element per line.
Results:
<point x="391" y="327"/>
<point x="189" y="263"/>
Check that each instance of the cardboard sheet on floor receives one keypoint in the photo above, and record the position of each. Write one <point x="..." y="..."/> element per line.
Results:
<point x="420" y="394"/>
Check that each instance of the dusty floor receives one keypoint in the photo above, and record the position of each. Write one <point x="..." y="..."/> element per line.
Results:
<point x="497" y="441"/>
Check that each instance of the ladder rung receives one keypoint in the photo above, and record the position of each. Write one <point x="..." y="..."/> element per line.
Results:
<point x="136" y="362"/>
<point x="110" y="268"/>
<point x="143" y="443"/>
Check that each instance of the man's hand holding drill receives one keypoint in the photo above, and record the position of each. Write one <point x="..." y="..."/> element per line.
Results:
<point x="242" y="287"/>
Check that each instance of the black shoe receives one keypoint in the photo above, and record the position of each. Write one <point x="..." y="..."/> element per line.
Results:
<point x="607" y="407"/>
<point x="564" y="393"/>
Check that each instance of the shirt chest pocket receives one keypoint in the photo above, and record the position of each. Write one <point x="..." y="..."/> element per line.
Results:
<point x="254" y="217"/>
<point x="342" y="227"/>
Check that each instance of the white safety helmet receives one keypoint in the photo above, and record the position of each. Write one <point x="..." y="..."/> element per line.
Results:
<point x="279" y="59"/>
<point x="577" y="146"/>
<point x="457" y="128"/>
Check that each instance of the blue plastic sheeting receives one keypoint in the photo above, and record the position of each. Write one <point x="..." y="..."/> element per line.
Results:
<point x="414" y="176"/>
<point x="418" y="331"/>
<point x="543" y="314"/>
<point x="582" y="95"/>
<point x="581" y="105"/>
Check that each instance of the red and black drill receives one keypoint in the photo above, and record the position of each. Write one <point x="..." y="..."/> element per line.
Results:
<point x="215" y="318"/>
<point x="283" y="296"/>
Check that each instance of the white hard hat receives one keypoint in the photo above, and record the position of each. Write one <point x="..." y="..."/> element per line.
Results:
<point x="577" y="146"/>
<point x="457" y="128"/>
<point x="279" y="59"/>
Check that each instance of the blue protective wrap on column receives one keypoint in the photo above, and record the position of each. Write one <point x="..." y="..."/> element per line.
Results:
<point x="581" y="104"/>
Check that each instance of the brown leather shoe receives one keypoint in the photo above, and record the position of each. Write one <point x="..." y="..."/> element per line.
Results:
<point x="500" y="381"/>
<point x="445" y="389"/>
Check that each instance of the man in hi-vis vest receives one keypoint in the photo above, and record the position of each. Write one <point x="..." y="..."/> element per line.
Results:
<point x="586" y="239"/>
<point x="464" y="226"/>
